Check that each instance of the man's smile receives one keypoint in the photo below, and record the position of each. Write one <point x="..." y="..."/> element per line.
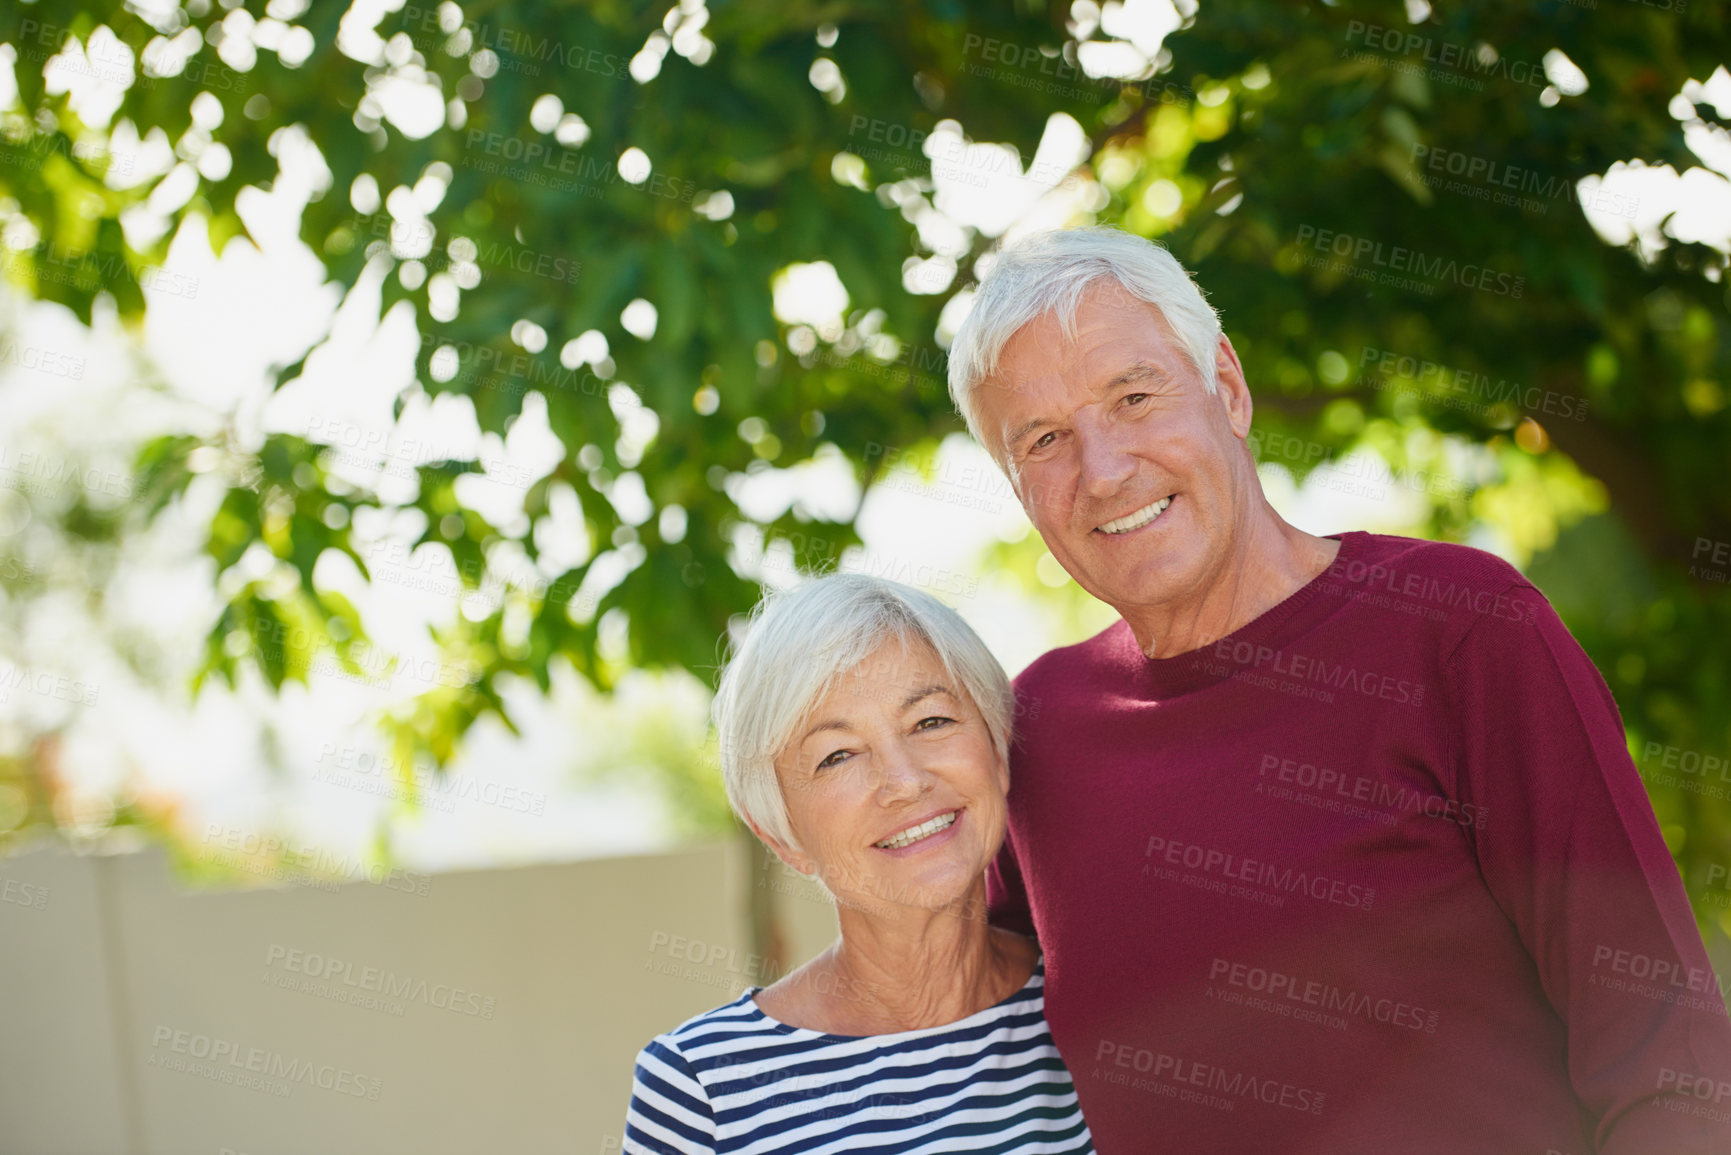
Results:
<point x="1136" y="519"/>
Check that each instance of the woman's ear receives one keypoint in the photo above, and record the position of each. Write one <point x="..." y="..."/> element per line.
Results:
<point x="788" y="854"/>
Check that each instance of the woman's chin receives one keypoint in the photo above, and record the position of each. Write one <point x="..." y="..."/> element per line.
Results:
<point x="936" y="884"/>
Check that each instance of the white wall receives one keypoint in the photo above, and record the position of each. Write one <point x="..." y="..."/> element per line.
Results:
<point x="117" y="977"/>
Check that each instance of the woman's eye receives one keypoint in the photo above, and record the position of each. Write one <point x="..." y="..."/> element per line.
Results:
<point x="1041" y="443"/>
<point x="832" y="759"/>
<point x="935" y="718"/>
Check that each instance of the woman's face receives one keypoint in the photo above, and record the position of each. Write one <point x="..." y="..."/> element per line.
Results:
<point x="894" y="751"/>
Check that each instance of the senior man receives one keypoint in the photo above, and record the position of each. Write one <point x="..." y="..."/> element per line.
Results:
<point x="1333" y="844"/>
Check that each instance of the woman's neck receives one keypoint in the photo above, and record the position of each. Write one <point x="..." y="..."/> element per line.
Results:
<point x="905" y="969"/>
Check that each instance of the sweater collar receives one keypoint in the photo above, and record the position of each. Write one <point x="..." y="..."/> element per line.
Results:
<point x="1206" y="665"/>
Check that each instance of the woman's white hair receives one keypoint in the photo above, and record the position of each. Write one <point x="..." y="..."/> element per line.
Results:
<point x="1047" y="272"/>
<point x="800" y="642"/>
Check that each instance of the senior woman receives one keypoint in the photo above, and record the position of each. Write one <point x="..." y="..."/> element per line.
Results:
<point x="864" y="738"/>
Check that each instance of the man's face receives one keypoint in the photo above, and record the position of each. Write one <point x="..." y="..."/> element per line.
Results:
<point x="1096" y="433"/>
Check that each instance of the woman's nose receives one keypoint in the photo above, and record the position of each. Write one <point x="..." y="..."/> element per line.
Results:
<point x="897" y="774"/>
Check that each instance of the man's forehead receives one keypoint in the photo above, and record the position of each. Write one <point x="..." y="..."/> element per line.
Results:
<point x="1040" y="361"/>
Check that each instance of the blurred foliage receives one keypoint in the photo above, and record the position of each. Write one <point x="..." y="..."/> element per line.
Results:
<point x="1260" y="129"/>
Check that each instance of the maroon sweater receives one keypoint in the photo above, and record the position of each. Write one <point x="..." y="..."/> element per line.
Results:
<point x="1375" y="873"/>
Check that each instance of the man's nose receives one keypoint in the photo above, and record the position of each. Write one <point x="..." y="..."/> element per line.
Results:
<point x="1104" y="459"/>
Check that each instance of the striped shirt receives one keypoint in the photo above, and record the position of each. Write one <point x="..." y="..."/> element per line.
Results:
<point x="735" y="1080"/>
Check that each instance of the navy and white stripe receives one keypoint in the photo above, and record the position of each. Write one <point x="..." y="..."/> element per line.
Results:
<point x="734" y="1080"/>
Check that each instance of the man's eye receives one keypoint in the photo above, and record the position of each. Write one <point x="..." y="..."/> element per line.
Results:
<point x="1040" y="444"/>
<point x="1133" y="398"/>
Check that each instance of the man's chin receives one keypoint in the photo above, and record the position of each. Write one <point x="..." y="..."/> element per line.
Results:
<point x="1142" y="582"/>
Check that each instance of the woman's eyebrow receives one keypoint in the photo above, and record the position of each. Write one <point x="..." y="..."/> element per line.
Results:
<point x="917" y="695"/>
<point x="910" y="700"/>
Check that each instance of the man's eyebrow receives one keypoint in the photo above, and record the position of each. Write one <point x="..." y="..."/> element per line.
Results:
<point x="1022" y="430"/>
<point x="1137" y="370"/>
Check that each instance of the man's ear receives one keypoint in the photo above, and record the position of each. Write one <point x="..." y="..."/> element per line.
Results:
<point x="1231" y="389"/>
<point x="788" y="854"/>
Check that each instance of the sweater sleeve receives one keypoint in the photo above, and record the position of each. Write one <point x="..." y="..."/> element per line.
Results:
<point x="1572" y="854"/>
<point x="669" y="1113"/>
<point x="1006" y="895"/>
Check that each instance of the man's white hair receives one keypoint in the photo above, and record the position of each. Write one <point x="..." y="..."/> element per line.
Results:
<point x="1048" y="273"/>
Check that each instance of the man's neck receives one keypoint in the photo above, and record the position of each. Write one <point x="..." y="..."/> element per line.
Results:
<point x="1264" y="568"/>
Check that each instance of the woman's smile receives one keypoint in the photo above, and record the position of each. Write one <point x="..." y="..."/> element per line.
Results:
<point x="923" y="835"/>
